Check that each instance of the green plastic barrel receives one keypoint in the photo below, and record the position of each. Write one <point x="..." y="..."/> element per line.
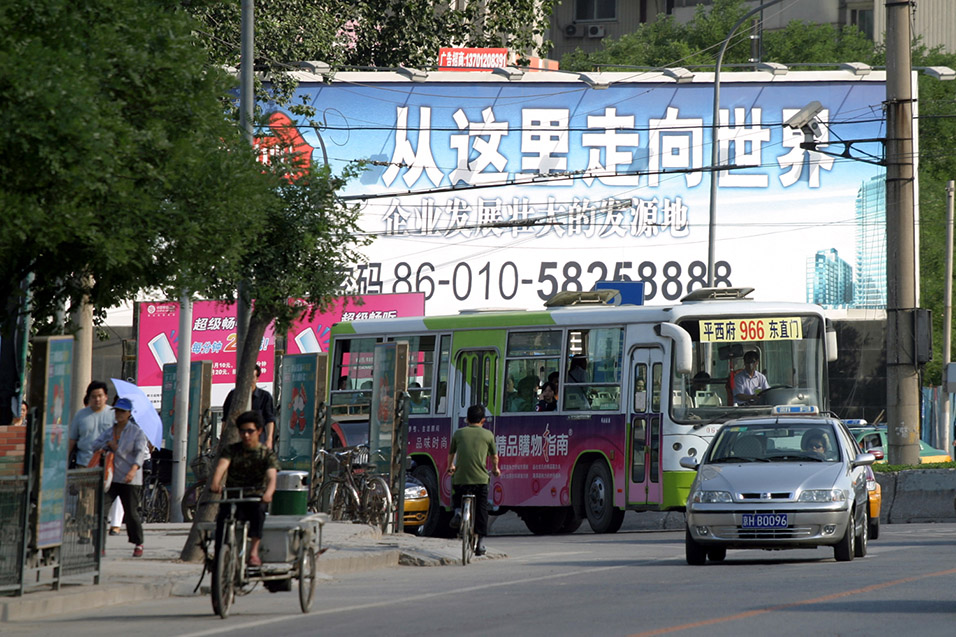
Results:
<point x="292" y="493"/>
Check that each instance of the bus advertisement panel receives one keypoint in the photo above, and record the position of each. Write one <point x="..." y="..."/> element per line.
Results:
<point x="485" y="192"/>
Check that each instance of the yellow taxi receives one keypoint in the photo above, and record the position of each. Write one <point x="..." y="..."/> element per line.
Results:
<point x="875" y="497"/>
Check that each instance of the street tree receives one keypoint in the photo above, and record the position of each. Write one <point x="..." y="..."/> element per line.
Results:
<point x="294" y="267"/>
<point x="120" y="171"/>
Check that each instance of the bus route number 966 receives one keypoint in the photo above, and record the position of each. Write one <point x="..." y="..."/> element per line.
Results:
<point x="504" y="281"/>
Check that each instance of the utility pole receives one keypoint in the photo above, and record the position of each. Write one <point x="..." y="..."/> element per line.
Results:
<point x="246" y="116"/>
<point x="945" y="438"/>
<point x="902" y="376"/>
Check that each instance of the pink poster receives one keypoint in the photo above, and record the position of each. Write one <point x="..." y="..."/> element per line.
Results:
<point x="213" y="339"/>
<point x="310" y="337"/>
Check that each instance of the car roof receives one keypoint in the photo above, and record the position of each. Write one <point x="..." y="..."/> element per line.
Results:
<point x="781" y="419"/>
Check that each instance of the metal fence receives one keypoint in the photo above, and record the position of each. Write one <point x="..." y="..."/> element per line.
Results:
<point x="84" y="528"/>
<point x="13" y="503"/>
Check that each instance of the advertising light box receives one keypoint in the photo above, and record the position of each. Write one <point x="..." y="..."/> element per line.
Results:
<point x="486" y="192"/>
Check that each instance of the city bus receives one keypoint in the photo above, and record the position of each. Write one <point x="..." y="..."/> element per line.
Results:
<point x="637" y="388"/>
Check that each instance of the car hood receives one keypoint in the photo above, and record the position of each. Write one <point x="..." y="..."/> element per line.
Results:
<point x="769" y="477"/>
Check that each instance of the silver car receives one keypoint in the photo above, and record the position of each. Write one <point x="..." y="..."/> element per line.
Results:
<point x="778" y="482"/>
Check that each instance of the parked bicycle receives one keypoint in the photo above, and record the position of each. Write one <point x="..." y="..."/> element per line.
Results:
<point x="469" y="539"/>
<point x="201" y="466"/>
<point x="154" y="498"/>
<point x="352" y="491"/>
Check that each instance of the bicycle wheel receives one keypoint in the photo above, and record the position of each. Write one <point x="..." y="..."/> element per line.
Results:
<point x="190" y="501"/>
<point x="306" y="578"/>
<point x="467" y="530"/>
<point x="377" y="502"/>
<point x="160" y="504"/>
<point x="223" y="579"/>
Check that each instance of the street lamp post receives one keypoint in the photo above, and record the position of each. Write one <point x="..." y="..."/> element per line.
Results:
<point x="715" y="146"/>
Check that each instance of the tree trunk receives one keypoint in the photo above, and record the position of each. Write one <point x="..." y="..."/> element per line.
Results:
<point x="241" y="401"/>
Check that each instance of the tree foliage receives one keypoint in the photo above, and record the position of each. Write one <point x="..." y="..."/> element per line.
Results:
<point x="119" y="167"/>
<point x="366" y="33"/>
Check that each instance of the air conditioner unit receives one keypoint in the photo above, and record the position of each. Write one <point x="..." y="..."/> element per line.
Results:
<point x="574" y="31"/>
<point x="596" y="31"/>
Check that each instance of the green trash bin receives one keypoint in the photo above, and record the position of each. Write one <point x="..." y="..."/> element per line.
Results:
<point x="292" y="493"/>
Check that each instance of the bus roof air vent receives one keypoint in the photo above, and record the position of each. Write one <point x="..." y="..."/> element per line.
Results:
<point x="594" y="297"/>
<point x="717" y="294"/>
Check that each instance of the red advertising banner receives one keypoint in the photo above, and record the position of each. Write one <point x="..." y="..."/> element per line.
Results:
<point x="470" y="59"/>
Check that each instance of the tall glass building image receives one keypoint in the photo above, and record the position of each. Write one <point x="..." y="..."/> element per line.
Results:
<point x="869" y="286"/>
<point x="829" y="280"/>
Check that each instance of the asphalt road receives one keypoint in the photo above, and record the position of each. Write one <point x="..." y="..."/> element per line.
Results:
<point x="629" y="583"/>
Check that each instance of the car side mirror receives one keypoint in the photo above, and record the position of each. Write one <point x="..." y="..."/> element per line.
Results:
<point x="690" y="462"/>
<point x="864" y="459"/>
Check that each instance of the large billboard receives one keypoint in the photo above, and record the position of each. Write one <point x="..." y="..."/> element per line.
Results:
<point x="482" y="191"/>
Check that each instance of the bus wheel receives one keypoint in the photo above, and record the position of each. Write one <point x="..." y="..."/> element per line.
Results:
<point x="550" y="521"/>
<point x="599" y="500"/>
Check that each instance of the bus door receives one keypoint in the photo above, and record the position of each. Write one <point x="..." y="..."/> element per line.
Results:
<point x="644" y="420"/>
<point x="476" y="373"/>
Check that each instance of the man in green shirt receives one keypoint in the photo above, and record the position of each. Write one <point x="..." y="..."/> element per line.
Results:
<point x="473" y="444"/>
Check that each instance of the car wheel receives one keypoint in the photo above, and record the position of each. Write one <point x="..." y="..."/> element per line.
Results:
<point x="874" y="524"/>
<point x="599" y="500"/>
<point x="859" y="549"/>
<point x="433" y="523"/>
<point x="716" y="554"/>
<point x="845" y="548"/>
<point x="695" y="553"/>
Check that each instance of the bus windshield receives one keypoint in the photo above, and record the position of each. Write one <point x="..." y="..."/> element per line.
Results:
<point x="745" y="365"/>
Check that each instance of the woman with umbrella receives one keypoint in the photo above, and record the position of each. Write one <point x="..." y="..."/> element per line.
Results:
<point x="129" y="446"/>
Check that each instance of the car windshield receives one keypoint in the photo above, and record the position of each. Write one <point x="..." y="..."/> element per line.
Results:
<point x="775" y="442"/>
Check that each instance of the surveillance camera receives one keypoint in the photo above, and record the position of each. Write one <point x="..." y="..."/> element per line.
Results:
<point x="805" y="117"/>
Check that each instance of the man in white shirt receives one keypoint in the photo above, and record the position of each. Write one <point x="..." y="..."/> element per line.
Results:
<point x="748" y="382"/>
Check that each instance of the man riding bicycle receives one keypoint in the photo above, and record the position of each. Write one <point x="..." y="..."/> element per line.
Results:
<point x="473" y="444"/>
<point x="253" y="467"/>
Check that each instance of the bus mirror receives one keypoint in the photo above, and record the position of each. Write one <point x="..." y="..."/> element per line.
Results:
<point x="832" y="351"/>
<point x="683" y="346"/>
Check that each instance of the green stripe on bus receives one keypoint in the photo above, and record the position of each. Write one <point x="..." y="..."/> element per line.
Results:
<point x="676" y="488"/>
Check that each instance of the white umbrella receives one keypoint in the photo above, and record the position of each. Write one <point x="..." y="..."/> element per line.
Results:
<point x="144" y="413"/>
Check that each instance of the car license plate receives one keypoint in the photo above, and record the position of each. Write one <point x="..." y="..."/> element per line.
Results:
<point x="765" y="521"/>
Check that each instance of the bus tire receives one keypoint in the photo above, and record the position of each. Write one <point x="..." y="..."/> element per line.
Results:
<point x="599" y="500"/>
<point x="550" y="520"/>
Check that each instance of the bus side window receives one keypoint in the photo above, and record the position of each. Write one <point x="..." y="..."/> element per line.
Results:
<point x="638" y="449"/>
<point x="640" y="388"/>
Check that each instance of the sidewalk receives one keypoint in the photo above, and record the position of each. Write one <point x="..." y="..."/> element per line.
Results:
<point x="160" y="573"/>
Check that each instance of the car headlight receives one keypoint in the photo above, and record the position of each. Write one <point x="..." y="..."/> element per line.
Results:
<point x="823" y="495"/>
<point x="414" y="492"/>
<point x="713" y="496"/>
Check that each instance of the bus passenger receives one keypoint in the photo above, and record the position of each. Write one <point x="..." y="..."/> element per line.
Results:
<point x="549" y="399"/>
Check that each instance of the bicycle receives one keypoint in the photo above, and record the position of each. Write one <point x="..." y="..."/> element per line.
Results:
<point x="351" y="493"/>
<point x="230" y="575"/>
<point x="154" y="498"/>
<point x="201" y="466"/>
<point x="469" y="539"/>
